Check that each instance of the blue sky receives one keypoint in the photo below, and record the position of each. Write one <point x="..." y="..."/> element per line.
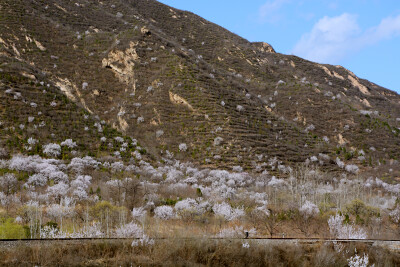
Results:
<point x="361" y="35"/>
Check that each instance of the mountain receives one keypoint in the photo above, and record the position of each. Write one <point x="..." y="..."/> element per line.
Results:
<point x="175" y="81"/>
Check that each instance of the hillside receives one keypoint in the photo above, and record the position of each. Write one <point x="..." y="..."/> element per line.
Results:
<point x="167" y="77"/>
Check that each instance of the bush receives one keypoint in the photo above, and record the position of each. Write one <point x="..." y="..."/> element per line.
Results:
<point x="11" y="230"/>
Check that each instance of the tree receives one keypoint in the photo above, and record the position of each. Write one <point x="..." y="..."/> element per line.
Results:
<point x="8" y="183"/>
<point x="59" y="211"/>
<point x="272" y="222"/>
<point x="267" y="218"/>
<point x="305" y="216"/>
<point x="132" y="189"/>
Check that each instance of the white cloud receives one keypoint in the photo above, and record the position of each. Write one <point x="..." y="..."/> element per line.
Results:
<point x="328" y="39"/>
<point x="332" y="38"/>
<point x="388" y="28"/>
<point x="269" y="11"/>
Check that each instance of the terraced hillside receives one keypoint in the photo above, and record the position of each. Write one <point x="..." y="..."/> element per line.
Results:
<point x="35" y="113"/>
<point x="168" y="77"/>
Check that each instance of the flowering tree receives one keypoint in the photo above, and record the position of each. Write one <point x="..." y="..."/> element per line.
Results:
<point x="129" y="230"/>
<point x="139" y="214"/>
<point x="58" y="211"/>
<point x="38" y="179"/>
<point x="8" y="183"/>
<point x="51" y="149"/>
<point x="307" y="212"/>
<point x="164" y="212"/>
<point x="58" y="191"/>
<point x="226" y="211"/>
<point x="182" y="147"/>
<point x="341" y="230"/>
<point x="188" y="208"/>
<point x="69" y="143"/>
<point x="80" y="185"/>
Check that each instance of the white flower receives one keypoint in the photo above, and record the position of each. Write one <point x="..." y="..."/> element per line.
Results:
<point x="309" y="209"/>
<point x="138" y="213"/>
<point x="339" y="163"/>
<point x="37" y="179"/>
<point x="144" y="241"/>
<point x="58" y="190"/>
<point x="352" y="169"/>
<point x="131" y="230"/>
<point x="225" y="210"/>
<point x="52" y="150"/>
<point x="274" y="182"/>
<point x="117" y="166"/>
<point x="189" y="207"/>
<point x="164" y="212"/>
<point x="69" y="143"/>
<point x="119" y="139"/>
<point x="32" y="141"/>
<point x="358" y="261"/>
<point x="344" y="231"/>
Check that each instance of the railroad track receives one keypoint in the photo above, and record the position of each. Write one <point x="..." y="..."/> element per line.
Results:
<point x="393" y="245"/>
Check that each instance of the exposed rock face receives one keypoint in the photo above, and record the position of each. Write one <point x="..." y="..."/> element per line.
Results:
<point x="144" y="68"/>
<point x="264" y="47"/>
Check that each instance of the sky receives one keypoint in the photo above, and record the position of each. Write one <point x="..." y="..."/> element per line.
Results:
<point x="361" y="35"/>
